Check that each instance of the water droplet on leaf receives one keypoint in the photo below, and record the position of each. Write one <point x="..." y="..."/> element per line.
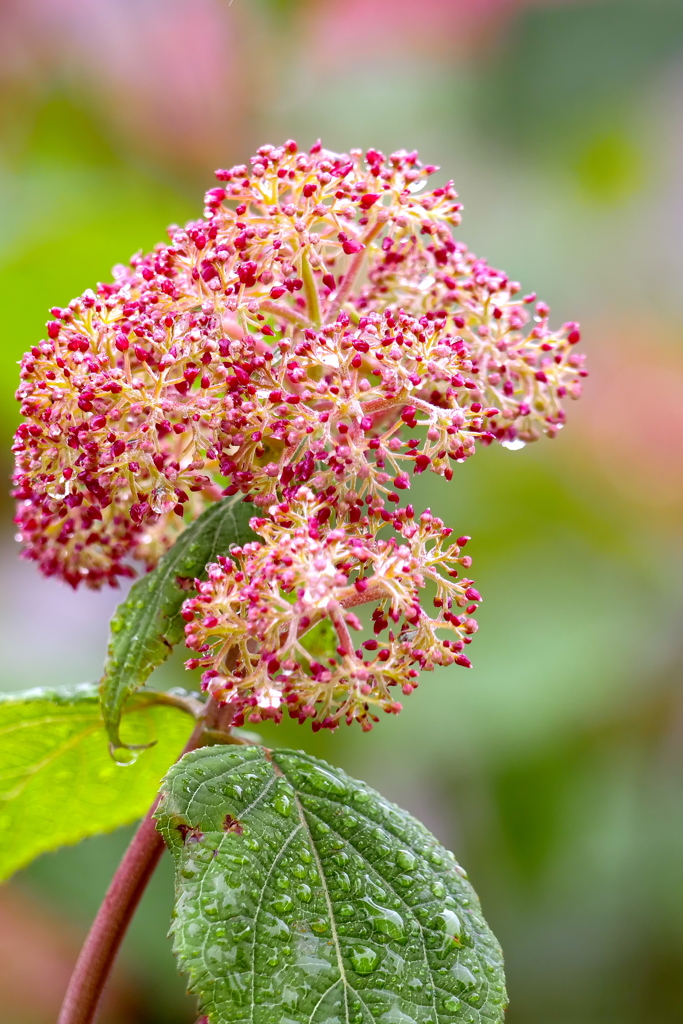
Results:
<point x="364" y="959"/>
<point x="406" y="860"/>
<point x="282" y="804"/>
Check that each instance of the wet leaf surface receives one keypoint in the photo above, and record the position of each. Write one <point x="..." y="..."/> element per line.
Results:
<point x="58" y="782"/>
<point x="302" y="896"/>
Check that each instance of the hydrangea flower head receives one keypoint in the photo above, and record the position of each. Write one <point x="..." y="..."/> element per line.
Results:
<point x="310" y="344"/>
<point x="251" y="619"/>
<point x="318" y="311"/>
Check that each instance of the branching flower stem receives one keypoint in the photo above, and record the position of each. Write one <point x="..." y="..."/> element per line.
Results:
<point x="102" y="943"/>
<point x="351" y="275"/>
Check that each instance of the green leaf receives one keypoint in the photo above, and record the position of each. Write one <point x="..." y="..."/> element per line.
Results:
<point x="148" y="624"/>
<point x="58" y="782"/>
<point x="304" y="897"/>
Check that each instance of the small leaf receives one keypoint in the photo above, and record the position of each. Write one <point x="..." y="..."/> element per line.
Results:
<point x="148" y="624"/>
<point x="303" y="896"/>
<point x="58" y="782"/>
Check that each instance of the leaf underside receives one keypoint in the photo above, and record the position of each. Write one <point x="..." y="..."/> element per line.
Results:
<point x="304" y="897"/>
<point x="148" y="624"/>
<point x="58" y="782"/>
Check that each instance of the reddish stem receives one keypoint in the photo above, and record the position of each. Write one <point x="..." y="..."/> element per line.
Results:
<point x="104" y="938"/>
<point x="127" y="886"/>
<point x="343" y="634"/>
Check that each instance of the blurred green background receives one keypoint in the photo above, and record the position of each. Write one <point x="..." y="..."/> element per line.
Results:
<point x="554" y="769"/>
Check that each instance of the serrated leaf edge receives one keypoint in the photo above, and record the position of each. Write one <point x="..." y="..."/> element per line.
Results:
<point x="164" y="571"/>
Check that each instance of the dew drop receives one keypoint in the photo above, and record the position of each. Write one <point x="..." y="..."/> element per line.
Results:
<point x="406" y="860"/>
<point x="386" y="922"/>
<point x="283" y="903"/>
<point x="391" y="924"/>
<point x="164" y="499"/>
<point x="282" y="804"/>
<point x="241" y="930"/>
<point x="449" y="922"/>
<point x="451" y="1004"/>
<point x="124" y="758"/>
<point x="464" y="975"/>
<point x="364" y="959"/>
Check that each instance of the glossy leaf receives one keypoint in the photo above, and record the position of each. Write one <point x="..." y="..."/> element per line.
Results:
<point x="148" y="624"/>
<point x="58" y="782"/>
<point x="303" y="896"/>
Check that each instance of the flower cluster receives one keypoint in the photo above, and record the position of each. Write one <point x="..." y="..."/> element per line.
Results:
<point x="310" y="344"/>
<point x="317" y="309"/>
<point x="271" y="625"/>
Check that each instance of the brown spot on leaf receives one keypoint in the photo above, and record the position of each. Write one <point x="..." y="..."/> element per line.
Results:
<point x="190" y="833"/>
<point x="231" y="824"/>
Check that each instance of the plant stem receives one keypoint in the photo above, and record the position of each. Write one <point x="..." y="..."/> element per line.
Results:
<point x="344" y="289"/>
<point x="104" y="938"/>
<point x="310" y="290"/>
<point x="127" y="886"/>
<point x="277" y="309"/>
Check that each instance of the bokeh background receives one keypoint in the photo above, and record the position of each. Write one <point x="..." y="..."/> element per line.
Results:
<point x="554" y="768"/>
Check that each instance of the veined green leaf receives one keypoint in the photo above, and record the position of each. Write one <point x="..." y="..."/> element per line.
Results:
<point x="58" y="782"/>
<point x="148" y="624"/>
<point x="304" y="897"/>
